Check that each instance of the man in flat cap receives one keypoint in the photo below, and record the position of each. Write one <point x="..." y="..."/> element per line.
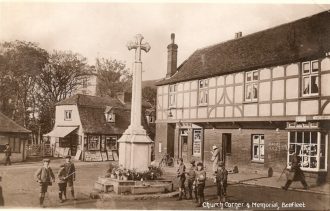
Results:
<point x="71" y="174"/>
<point x="44" y="176"/>
<point x="216" y="156"/>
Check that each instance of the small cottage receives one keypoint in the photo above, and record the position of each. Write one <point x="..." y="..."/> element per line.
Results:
<point x="88" y="127"/>
<point x="16" y="136"/>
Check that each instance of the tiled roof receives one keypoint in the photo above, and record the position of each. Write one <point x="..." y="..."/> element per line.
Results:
<point x="9" y="126"/>
<point x="306" y="38"/>
<point x="89" y="100"/>
<point x="91" y="111"/>
<point x="93" y="120"/>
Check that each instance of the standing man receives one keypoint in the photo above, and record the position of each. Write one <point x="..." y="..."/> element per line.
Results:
<point x="295" y="174"/>
<point x="7" y="155"/>
<point x="44" y="176"/>
<point x="221" y="180"/>
<point x="71" y="174"/>
<point x="182" y="178"/>
<point x="215" y="157"/>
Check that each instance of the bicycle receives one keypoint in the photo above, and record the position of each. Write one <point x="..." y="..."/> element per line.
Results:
<point x="166" y="160"/>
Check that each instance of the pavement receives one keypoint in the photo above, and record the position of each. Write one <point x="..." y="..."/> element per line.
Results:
<point x="262" y="179"/>
<point x="20" y="189"/>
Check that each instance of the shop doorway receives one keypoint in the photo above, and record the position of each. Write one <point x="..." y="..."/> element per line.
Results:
<point x="226" y="146"/>
<point x="183" y="144"/>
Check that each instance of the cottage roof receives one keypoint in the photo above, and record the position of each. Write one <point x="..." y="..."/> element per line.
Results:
<point x="9" y="126"/>
<point x="92" y="113"/>
<point x="306" y="38"/>
<point x="89" y="100"/>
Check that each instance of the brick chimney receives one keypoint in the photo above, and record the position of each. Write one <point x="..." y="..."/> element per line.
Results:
<point x="238" y="35"/>
<point x="172" y="52"/>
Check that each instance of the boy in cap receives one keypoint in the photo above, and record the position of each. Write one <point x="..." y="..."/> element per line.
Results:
<point x="200" y="183"/>
<point x="44" y="176"/>
<point x="182" y="178"/>
<point x="62" y="182"/>
<point x="71" y="174"/>
<point x="221" y="180"/>
<point x="191" y="179"/>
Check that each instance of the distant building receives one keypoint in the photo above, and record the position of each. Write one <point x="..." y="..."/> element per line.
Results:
<point x="89" y="84"/>
<point x="259" y="98"/>
<point x="91" y="126"/>
<point x="16" y="136"/>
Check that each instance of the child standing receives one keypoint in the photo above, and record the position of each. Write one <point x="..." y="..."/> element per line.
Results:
<point x="62" y="180"/>
<point x="44" y="176"/>
<point x="200" y="183"/>
<point x="191" y="179"/>
<point x="221" y="179"/>
<point x="182" y="178"/>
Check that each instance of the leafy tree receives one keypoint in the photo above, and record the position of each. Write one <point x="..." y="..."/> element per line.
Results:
<point x="20" y="63"/>
<point x="58" y="80"/>
<point x="149" y="95"/>
<point x="113" y="77"/>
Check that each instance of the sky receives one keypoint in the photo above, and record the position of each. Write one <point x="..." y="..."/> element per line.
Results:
<point x="103" y="29"/>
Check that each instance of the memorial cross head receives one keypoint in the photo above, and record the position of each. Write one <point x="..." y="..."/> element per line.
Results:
<point x="138" y="46"/>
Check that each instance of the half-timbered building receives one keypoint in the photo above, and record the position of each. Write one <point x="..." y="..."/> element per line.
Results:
<point x="258" y="97"/>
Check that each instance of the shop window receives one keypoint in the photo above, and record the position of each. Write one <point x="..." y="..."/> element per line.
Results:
<point x="172" y="96"/>
<point x="15" y="144"/>
<point x="203" y="92"/>
<point x="310" y="78"/>
<point x="111" y="143"/>
<point x="63" y="142"/>
<point x="197" y="143"/>
<point x="94" y="143"/>
<point x="68" y="115"/>
<point x="258" y="148"/>
<point x="251" y="86"/>
<point x="310" y="146"/>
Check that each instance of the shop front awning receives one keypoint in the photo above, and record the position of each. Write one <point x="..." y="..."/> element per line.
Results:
<point x="61" y="132"/>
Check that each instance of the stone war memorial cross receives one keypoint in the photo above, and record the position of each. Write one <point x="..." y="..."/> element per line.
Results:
<point x="134" y="144"/>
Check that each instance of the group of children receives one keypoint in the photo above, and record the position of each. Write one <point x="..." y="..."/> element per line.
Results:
<point x="66" y="175"/>
<point x="196" y="181"/>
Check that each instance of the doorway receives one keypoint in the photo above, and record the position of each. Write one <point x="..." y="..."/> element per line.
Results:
<point x="183" y="144"/>
<point x="226" y="146"/>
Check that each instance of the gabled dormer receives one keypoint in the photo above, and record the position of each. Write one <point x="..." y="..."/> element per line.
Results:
<point x="110" y="115"/>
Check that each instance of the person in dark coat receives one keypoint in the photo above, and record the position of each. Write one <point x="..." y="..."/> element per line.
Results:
<point x="7" y="155"/>
<point x="295" y="174"/>
<point x="71" y="174"/>
<point x="221" y="176"/>
<point x="62" y="180"/>
<point x="191" y="174"/>
<point x="182" y="178"/>
<point x="44" y="177"/>
<point x="200" y="183"/>
<point x="2" y="201"/>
